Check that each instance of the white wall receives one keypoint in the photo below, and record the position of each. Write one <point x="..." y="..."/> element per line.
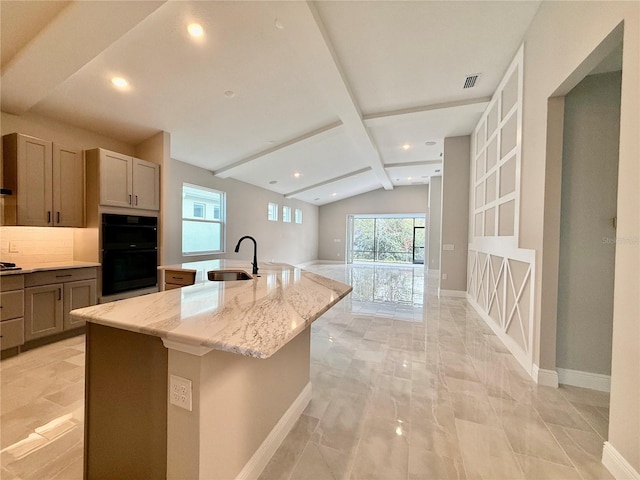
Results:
<point x="332" y="225"/>
<point x="587" y="235"/>
<point x="246" y="215"/>
<point x="455" y="212"/>
<point x="434" y="223"/>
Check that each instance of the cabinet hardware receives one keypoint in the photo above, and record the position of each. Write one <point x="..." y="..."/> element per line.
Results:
<point x="178" y="278"/>
<point x="129" y="199"/>
<point x="136" y="199"/>
<point x="58" y="217"/>
<point x="65" y="275"/>
<point x="59" y="293"/>
<point x="48" y="217"/>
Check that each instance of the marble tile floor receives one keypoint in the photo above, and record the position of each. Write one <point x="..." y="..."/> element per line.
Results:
<point x="405" y="386"/>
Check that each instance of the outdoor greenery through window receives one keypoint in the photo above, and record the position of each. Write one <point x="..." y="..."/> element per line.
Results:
<point x="286" y="214"/>
<point x="272" y="212"/>
<point x="203" y="217"/>
<point x="387" y="239"/>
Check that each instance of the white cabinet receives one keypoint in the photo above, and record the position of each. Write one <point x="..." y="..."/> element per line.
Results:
<point x="47" y="181"/>
<point x="125" y="181"/>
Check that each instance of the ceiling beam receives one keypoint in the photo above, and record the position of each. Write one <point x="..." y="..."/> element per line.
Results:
<point x="327" y="182"/>
<point x="78" y="34"/>
<point x="375" y="118"/>
<point x="413" y="164"/>
<point x="230" y="170"/>
<point x="311" y="44"/>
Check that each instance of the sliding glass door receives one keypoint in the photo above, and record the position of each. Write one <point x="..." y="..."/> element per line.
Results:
<point x="386" y="239"/>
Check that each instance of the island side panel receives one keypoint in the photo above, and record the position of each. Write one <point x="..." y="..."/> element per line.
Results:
<point x="237" y="401"/>
<point x="125" y="405"/>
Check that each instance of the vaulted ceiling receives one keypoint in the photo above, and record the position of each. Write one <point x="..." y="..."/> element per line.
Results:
<point x="317" y="101"/>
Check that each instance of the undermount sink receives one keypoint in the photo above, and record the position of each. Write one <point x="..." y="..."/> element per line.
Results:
<point x="227" y="275"/>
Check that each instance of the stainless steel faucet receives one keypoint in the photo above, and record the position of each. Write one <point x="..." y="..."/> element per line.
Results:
<point x="255" y="252"/>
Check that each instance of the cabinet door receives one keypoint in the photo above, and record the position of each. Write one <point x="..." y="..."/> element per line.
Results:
<point x="146" y="185"/>
<point x="68" y="187"/>
<point x="77" y="295"/>
<point x="35" y="196"/>
<point x="115" y="179"/>
<point x="42" y="311"/>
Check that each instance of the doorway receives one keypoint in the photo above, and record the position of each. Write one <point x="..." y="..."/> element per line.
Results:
<point x="591" y="133"/>
<point x="398" y="239"/>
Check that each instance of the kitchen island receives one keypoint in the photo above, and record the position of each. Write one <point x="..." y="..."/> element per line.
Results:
<point x="203" y="381"/>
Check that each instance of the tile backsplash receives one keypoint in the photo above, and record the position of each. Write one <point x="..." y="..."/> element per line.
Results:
<point x="28" y="245"/>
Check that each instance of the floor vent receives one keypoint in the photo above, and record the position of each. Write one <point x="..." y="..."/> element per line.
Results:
<point x="470" y="81"/>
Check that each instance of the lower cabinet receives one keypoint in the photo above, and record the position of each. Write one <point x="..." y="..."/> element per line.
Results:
<point x="178" y="278"/>
<point x="47" y="305"/>
<point x="11" y="311"/>
<point x="43" y="311"/>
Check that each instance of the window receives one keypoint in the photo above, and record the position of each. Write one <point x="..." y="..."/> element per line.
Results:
<point x="286" y="214"/>
<point x="198" y="210"/>
<point x="298" y="215"/>
<point x="272" y="213"/>
<point x="203" y="217"/>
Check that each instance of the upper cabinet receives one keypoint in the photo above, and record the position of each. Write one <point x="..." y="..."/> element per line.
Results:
<point x="47" y="181"/>
<point x="125" y="181"/>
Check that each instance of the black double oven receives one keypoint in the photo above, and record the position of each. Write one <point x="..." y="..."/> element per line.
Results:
<point x="129" y="253"/>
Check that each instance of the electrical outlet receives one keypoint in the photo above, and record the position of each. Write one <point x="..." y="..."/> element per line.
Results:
<point x="13" y="247"/>
<point x="180" y="392"/>
<point x="444" y="276"/>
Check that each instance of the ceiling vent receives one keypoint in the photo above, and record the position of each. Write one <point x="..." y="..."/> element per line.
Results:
<point x="470" y="80"/>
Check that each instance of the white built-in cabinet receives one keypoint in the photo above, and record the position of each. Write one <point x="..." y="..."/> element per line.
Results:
<point x="126" y="181"/>
<point x="47" y="182"/>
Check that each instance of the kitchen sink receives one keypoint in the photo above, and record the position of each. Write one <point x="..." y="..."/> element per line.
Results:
<point x="227" y="275"/>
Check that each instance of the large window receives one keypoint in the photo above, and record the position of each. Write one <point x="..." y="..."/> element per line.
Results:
<point x="298" y="215"/>
<point x="203" y="217"/>
<point x="272" y="212"/>
<point x="392" y="239"/>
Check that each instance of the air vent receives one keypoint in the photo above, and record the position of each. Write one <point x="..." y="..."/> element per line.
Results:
<point x="470" y="81"/>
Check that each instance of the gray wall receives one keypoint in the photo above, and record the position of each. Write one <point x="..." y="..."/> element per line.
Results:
<point x="246" y="215"/>
<point x="333" y="216"/>
<point x="455" y="212"/>
<point x="434" y="222"/>
<point x="587" y="248"/>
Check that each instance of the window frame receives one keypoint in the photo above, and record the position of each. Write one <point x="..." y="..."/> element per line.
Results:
<point x="219" y="221"/>
<point x="297" y="215"/>
<point x="274" y="210"/>
<point x="286" y="214"/>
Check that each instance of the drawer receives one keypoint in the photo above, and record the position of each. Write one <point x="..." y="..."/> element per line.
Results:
<point x="11" y="282"/>
<point x="58" y="276"/>
<point x="12" y="304"/>
<point x="12" y="332"/>
<point x="171" y="286"/>
<point x="179" y="277"/>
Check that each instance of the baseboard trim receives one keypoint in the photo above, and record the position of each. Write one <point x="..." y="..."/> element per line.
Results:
<point x="452" y="293"/>
<point x="259" y="460"/>
<point x="577" y="378"/>
<point x="617" y="464"/>
<point x="542" y="376"/>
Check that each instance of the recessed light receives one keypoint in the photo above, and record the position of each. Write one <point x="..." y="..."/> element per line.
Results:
<point x="119" y="82"/>
<point x="316" y="199"/>
<point x="430" y="143"/>
<point x="195" y="30"/>
<point x="406" y="146"/>
<point x="297" y="174"/>
<point x="333" y="194"/>
<point x="278" y="24"/>
<point x="273" y="182"/>
<point x="408" y="178"/>
<point x="229" y="94"/>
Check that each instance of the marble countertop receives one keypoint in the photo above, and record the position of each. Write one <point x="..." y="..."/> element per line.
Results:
<point x="45" y="266"/>
<point x="253" y="317"/>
